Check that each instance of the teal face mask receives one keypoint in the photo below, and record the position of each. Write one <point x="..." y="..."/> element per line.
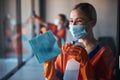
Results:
<point x="56" y="21"/>
<point x="78" y="31"/>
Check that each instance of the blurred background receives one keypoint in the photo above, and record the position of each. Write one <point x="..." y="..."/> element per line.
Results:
<point x="17" y="61"/>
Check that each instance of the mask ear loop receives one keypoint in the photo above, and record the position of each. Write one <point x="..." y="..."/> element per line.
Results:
<point x="87" y="28"/>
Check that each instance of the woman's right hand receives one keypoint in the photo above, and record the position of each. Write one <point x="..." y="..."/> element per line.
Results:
<point x="65" y="47"/>
<point x="76" y="52"/>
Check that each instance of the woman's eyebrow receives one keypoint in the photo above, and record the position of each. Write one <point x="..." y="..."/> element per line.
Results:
<point x="76" y="18"/>
<point x="80" y="18"/>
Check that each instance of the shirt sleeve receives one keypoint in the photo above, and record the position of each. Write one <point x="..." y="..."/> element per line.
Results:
<point x="49" y="71"/>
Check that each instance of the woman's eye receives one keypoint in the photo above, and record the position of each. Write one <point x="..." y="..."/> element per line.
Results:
<point x="78" y="20"/>
<point x="71" y="21"/>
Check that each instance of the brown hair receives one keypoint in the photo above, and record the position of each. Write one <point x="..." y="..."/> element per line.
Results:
<point x="65" y="21"/>
<point x="88" y="9"/>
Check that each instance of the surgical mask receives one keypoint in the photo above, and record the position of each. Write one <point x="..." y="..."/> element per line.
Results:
<point x="78" y="31"/>
<point x="56" y="21"/>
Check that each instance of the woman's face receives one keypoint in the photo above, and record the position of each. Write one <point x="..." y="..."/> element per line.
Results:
<point x="58" y="20"/>
<point x="77" y="17"/>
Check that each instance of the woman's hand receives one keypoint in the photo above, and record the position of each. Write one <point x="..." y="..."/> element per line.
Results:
<point x="76" y="52"/>
<point x="65" y="47"/>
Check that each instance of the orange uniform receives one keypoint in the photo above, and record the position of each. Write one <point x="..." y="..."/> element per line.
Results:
<point x="99" y="65"/>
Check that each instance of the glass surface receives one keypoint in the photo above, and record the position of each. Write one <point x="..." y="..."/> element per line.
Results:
<point x="8" y="37"/>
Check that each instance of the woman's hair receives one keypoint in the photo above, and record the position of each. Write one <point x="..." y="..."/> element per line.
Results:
<point x="88" y="9"/>
<point x="65" y="20"/>
<point x="63" y="17"/>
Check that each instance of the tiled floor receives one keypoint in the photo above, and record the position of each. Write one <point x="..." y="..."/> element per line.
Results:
<point x="32" y="70"/>
<point x="6" y="65"/>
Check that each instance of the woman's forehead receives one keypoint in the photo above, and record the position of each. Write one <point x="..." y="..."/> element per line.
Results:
<point x="78" y="14"/>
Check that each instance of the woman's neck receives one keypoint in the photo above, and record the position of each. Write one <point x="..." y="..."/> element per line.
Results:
<point x="59" y="27"/>
<point x="89" y="43"/>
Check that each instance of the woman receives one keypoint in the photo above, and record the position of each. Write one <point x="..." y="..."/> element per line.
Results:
<point x="58" y="28"/>
<point x="95" y="58"/>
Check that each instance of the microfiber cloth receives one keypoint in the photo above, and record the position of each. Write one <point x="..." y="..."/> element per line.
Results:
<point x="45" y="46"/>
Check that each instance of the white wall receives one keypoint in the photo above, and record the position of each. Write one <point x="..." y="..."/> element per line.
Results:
<point x="106" y="13"/>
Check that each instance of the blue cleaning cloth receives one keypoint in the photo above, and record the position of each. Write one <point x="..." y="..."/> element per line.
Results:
<point x="63" y="41"/>
<point x="45" y="46"/>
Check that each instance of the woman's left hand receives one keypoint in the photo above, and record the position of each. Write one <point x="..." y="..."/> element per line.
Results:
<point x="76" y="52"/>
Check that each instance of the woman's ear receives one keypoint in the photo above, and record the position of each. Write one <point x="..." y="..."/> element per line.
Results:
<point x="92" y="23"/>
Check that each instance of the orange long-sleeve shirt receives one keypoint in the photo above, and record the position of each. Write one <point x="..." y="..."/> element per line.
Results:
<point x="99" y="66"/>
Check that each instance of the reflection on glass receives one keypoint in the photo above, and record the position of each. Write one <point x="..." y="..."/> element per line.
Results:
<point x="8" y="55"/>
